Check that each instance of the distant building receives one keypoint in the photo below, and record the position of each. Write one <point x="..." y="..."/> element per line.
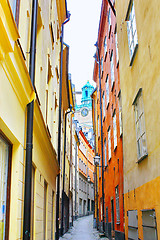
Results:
<point x="83" y="113"/>
<point x="86" y="176"/>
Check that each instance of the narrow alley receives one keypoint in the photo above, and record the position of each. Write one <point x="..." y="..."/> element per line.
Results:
<point x="83" y="229"/>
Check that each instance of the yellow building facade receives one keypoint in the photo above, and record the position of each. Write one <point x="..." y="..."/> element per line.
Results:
<point x="138" y="41"/>
<point x="16" y="92"/>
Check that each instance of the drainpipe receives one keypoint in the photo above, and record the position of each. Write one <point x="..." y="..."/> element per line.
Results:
<point x="29" y="135"/>
<point x="76" y="181"/>
<point x="100" y="91"/>
<point x="64" y="168"/>
<point x="59" y="129"/>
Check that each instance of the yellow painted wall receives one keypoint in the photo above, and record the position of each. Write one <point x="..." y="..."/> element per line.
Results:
<point x="144" y="73"/>
<point x="144" y="197"/>
<point x="16" y="92"/>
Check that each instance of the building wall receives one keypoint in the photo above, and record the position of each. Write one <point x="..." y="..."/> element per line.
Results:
<point x="86" y="168"/>
<point x="15" y="93"/>
<point x="141" y="179"/>
<point x="113" y="161"/>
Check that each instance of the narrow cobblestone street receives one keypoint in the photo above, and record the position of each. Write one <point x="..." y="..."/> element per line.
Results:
<point x="83" y="230"/>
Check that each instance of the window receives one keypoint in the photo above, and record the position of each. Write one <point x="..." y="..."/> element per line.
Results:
<point x="149" y="224"/>
<point x="115" y="130"/>
<point x="112" y="69"/>
<point x="5" y="178"/>
<point x="86" y="92"/>
<point x="107" y="90"/>
<point x="109" y="18"/>
<point x="116" y="42"/>
<point x="117" y="204"/>
<point x="140" y="126"/>
<point x="104" y="110"/>
<point x="132" y="225"/>
<point x="45" y="210"/>
<point x="102" y="65"/>
<point x="132" y="31"/>
<point x="98" y="127"/>
<point x="15" y="5"/>
<point x="105" y="152"/>
<point x="109" y="143"/>
<point x="105" y="47"/>
<point x="120" y="114"/>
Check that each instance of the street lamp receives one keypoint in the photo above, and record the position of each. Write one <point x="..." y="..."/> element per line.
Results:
<point x="100" y="92"/>
<point x="96" y="159"/>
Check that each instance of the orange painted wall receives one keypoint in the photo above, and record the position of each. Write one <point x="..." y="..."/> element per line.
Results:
<point x="113" y="173"/>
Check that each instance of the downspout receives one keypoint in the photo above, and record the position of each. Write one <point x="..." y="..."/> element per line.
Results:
<point x="64" y="168"/>
<point x="100" y="91"/>
<point x="59" y="129"/>
<point x="76" y="180"/>
<point x="29" y="134"/>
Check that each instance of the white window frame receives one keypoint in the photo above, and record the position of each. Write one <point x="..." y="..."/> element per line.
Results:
<point x="98" y="127"/>
<point x="107" y="90"/>
<point x="116" y="43"/>
<point x="105" y="47"/>
<point x="109" y="20"/>
<point x="13" y="4"/>
<point x="105" y="151"/>
<point x="132" y="31"/>
<point x="115" y="130"/>
<point x="120" y="115"/>
<point x="109" y="144"/>
<point x="117" y="204"/>
<point x="104" y="109"/>
<point x="112" y="69"/>
<point x="140" y="126"/>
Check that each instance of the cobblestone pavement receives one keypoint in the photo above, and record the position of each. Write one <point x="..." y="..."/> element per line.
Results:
<point x="83" y="230"/>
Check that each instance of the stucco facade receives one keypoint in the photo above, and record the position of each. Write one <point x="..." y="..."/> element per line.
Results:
<point x="15" y="93"/>
<point x="139" y="75"/>
<point x="110" y="133"/>
<point x="86" y="176"/>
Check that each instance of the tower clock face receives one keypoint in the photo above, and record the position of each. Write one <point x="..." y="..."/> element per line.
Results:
<point x="84" y="112"/>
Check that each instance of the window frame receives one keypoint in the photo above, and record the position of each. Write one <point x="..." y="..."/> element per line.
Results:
<point x="109" y="144"/>
<point x="107" y="90"/>
<point x="8" y="189"/>
<point x="115" y="129"/>
<point x="112" y="69"/>
<point x="140" y="119"/>
<point x="131" y="12"/>
<point x="117" y="204"/>
<point x="104" y="107"/>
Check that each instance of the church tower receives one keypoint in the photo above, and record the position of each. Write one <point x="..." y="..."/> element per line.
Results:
<point x="83" y="112"/>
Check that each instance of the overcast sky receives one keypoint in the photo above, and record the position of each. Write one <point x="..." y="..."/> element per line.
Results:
<point x="81" y="34"/>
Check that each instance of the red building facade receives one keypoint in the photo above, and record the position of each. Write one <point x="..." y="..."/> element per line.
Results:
<point x="111" y="125"/>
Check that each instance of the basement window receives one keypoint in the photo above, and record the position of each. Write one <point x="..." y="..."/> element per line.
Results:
<point x="149" y="224"/>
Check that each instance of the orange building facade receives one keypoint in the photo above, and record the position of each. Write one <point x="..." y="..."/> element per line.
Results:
<point x="111" y="132"/>
<point x="86" y="176"/>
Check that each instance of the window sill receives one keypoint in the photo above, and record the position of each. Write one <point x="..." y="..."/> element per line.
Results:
<point x="118" y="223"/>
<point x="133" y="55"/>
<point x="142" y="158"/>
